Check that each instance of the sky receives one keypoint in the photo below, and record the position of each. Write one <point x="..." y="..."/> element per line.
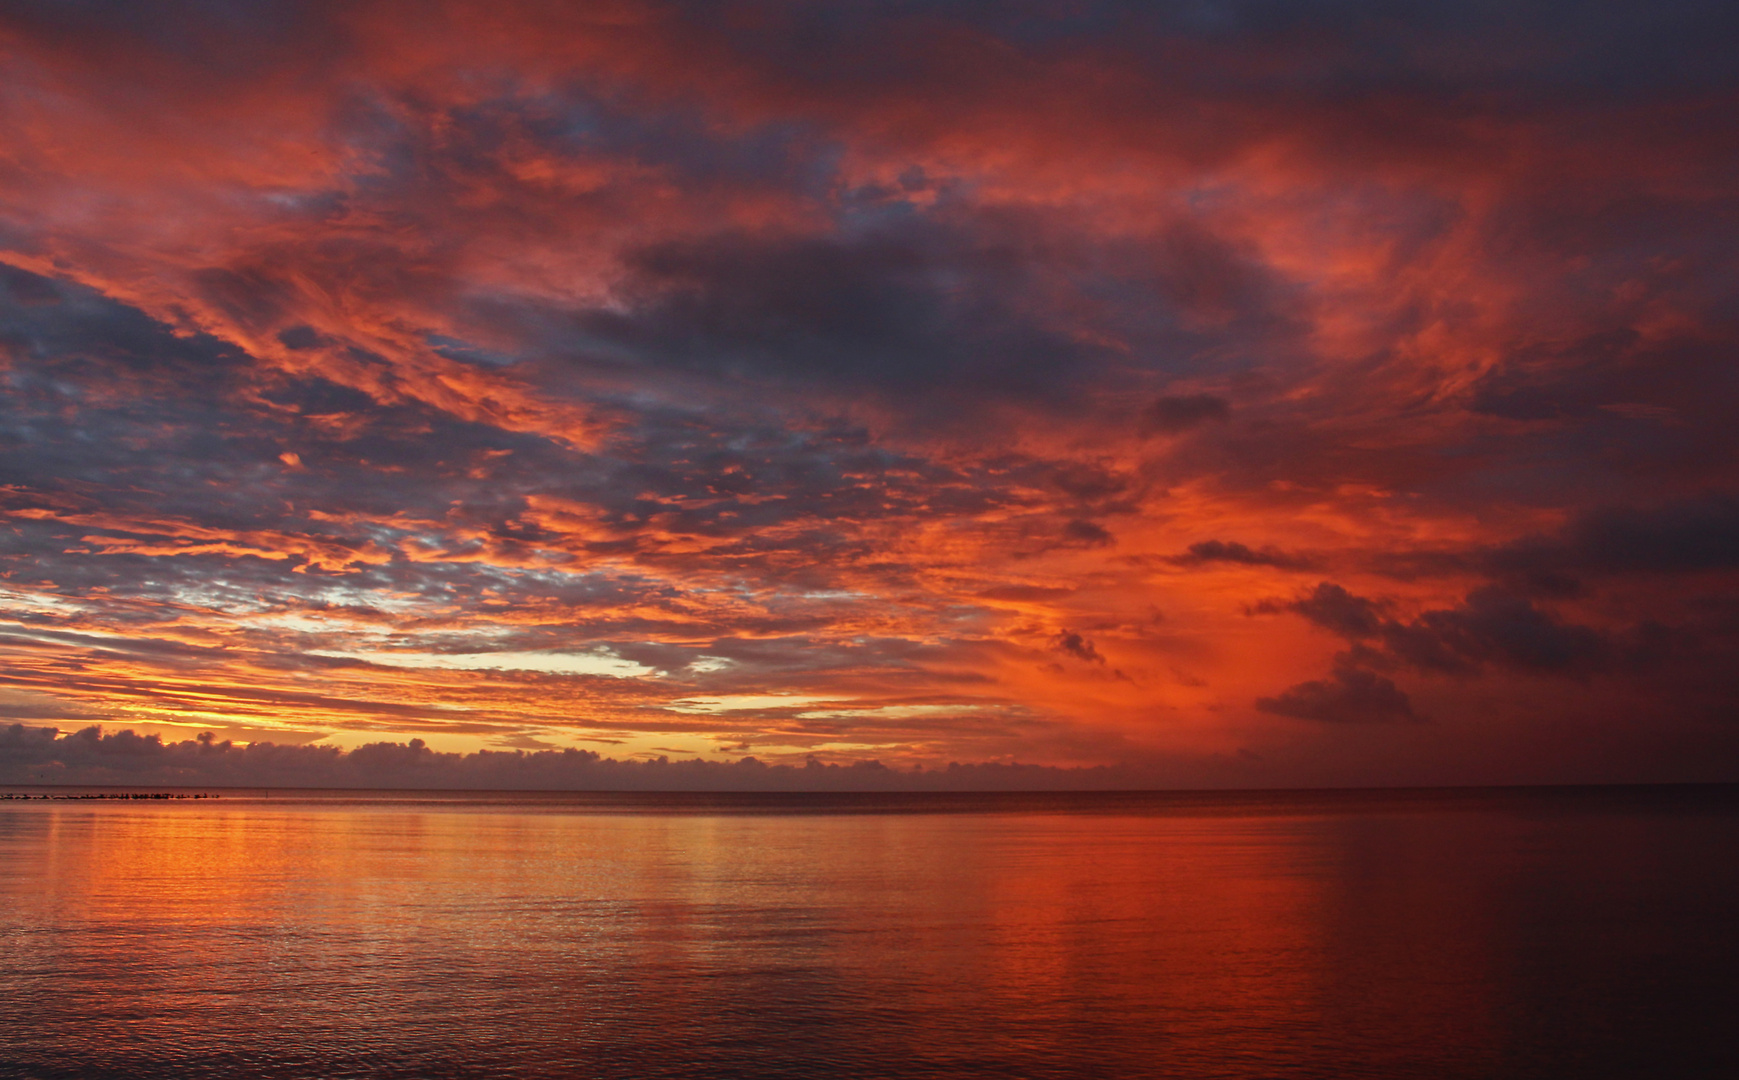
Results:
<point x="1229" y="394"/>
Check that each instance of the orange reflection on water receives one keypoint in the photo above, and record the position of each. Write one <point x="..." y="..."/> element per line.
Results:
<point x="528" y="935"/>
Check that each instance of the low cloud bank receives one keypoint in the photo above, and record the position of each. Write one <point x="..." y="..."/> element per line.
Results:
<point x="89" y="757"/>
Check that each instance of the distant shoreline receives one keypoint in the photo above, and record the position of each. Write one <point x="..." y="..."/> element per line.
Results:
<point x="1288" y="802"/>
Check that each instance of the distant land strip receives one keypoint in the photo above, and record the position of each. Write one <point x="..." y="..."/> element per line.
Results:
<point x="9" y="796"/>
<point x="41" y="756"/>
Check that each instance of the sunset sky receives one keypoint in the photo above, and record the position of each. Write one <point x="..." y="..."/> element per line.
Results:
<point x="1248" y="393"/>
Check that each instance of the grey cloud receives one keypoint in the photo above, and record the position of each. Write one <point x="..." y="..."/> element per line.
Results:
<point x="1333" y="608"/>
<point x="1500" y="628"/>
<point x="1230" y="551"/>
<point x="1072" y="643"/>
<point x="1689" y="536"/>
<point x="1086" y="532"/>
<point x="190" y="423"/>
<point x="1491" y="626"/>
<point x="1684" y="537"/>
<point x="1171" y="415"/>
<point x="91" y="757"/>
<point x="900" y="310"/>
<point x="1350" y="695"/>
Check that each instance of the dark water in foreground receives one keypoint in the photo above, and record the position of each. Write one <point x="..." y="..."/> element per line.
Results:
<point x="1520" y="933"/>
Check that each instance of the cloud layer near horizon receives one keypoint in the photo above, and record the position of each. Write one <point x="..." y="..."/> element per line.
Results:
<point x="36" y="757"/>
<point x="1291" y="392"/>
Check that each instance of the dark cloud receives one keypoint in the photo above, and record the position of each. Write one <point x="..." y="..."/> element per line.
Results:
<point x="90" y="756"/>
<point x="1684" y="537"/>
<point x="843" y="355"/>
<point x="1496" y="627"/>
<point x="26" y="289"/>
<point x="1349" y="695"/>
<point x="1171" y="415"/>
<point x="902" y="310"/>
<point x="1086" y="532"/>
<point x="1230" y="551"/>
<point x="1691" y="536"/>
<point x="1491" y="626"/>
<point x="1333" y="608"/>
<point x="1073" y="644"/>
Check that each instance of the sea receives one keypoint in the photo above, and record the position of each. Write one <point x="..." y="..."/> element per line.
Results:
<point x="1467" y="933"/>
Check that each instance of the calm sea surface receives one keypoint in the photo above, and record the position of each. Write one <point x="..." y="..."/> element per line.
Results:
<point x="1511" y="933"/>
